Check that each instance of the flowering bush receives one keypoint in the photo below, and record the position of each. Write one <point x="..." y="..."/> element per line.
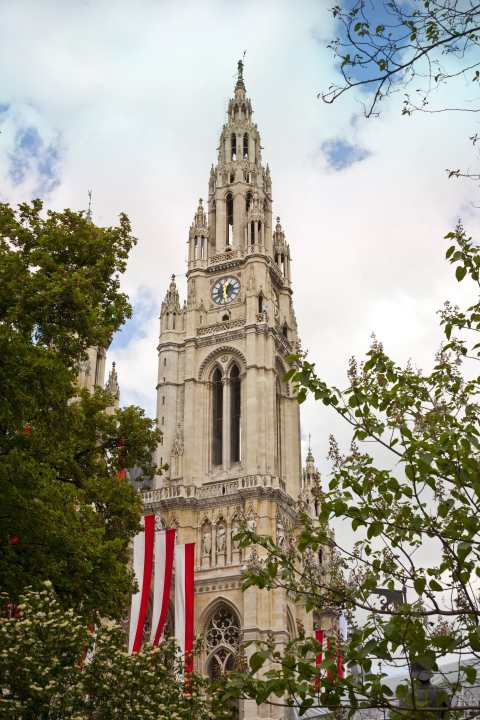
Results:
<point x="48" y="670"/>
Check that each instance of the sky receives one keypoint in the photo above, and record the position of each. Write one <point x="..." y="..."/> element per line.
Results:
<point x="127" y="99"/>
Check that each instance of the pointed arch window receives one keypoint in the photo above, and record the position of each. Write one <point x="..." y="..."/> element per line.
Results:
<point x="229" y="219"/>
<point x="260" y="303"/>
<point x="202" y="248"/>
<point x="245" y="146"/>
<point x="252" y="232"/>
<point x="248" y="201"/>
<point x="234" y="146"/>
<point x="174" y="318"/>
<point x="236" y="417"/>
<point x="217" y="403"/>
<point x="195" y="249"/>
<point x="222" y="638"/>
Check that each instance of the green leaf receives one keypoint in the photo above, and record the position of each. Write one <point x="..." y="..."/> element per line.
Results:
<point x="419" y="584"/>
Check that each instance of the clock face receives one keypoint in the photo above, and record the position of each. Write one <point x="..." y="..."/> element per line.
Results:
<point x="225" y="290"/>
<point x="276" y="305"/>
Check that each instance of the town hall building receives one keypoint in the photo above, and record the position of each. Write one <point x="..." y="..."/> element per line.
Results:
<point x="231" y="427"/>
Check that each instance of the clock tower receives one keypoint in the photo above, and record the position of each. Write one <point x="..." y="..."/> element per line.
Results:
<point x="231" y="426"/>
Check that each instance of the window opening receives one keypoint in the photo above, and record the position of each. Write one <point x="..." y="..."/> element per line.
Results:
<point x="260" y="303"/>
<point x="234" y="146"/>
<point x="232" y="177"/>
<point x="283" y="264"/>
<point x="259" y="230"/>
<point x="163" y="421"/>
<point x="320" y="557"/>
<point x="285" y="332"/>
<point x="167" y="321"/>
<point x="252" y="233"/>
<point x="236" y="428"/>
<point x="229" y="219"/>
<point x="201" y="318"/>
<point x="226" y="317"/>
<point x="248" y="201"/>
<point x="202" y="248"/>
<point x="164" y="361"/>
<point x="217" y="417"/>
<point x="163" y="400"/>
<point x="161" y="461"/>
<point x="245" y="146"/>
<point x="276" y="258"/>
<point x="195" y="249"/>
<point x="174" y="317"/>
<point x="222" y="639"/>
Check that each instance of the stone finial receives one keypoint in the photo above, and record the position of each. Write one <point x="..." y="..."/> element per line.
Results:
<point x="112" y="385"/>
<point x="89" y="211"/>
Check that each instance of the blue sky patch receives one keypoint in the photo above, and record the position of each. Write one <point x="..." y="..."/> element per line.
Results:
<point x="341" y="154"/>
<point x="31" y="156"/>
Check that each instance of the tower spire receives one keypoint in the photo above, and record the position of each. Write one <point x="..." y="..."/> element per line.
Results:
<point x="89" y="211"/>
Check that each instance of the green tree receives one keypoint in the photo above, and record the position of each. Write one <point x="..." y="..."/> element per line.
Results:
<point x="416" y="519"/>
<point x="48" y="670"/>
<point x="384" y="46"/>
<point x="66" y="515"/>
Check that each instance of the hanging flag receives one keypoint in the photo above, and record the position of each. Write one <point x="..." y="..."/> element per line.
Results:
<point x="184" y="569"/>
<point x="342" y="634"/>
<point x="164" y="546"/>
<point x="142" y="567"/>
<point x="319" y="637"/>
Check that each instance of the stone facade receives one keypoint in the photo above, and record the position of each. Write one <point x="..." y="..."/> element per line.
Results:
<point x="231" y="426"/>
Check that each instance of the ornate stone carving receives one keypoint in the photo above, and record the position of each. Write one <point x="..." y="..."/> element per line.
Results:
<point x="207" y="541"/>
<point x="178" y="446"/>
<point x="280" y="532"/>
<point x="221" y="536"/>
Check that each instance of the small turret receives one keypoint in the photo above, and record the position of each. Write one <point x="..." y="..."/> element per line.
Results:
<point x="198" y="235"/>
<point x="311" y="476"/>
<point x="113" y="388"/>
<point x="170" y="312"/>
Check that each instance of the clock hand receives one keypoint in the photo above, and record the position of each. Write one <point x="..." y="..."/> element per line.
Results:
<point x="225" y="286"/>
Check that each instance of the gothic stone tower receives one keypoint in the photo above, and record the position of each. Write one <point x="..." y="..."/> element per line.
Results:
<point x="231" y="427"/>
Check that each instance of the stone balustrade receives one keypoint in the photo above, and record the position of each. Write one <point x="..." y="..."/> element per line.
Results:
<point x="218" y="489"/>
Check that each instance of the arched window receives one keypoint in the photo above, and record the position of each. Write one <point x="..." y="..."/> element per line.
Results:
<point x="229" y="219"/>
<point x="252" y="232"/>
<point x="245" y="146"/>
<point x="195" y="248"/>
<point x="202" y="248"/>
<point x="248" y="201"/>
<point x="259" y="230"/>
<point x="279" y="428"/>
<point x="226" y="317"/>
<point x="236" y="426"/>
<point x="217" y="417"/>
<point x="167" y="321"/>
<point x="234" y="146"/>
<point x="222" y="636"/>
<point x="173" y="321"/>
<point x="285" y="332"/>
<point x="260" y="303"/>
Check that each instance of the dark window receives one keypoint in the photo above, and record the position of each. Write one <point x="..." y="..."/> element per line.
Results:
<point x="236" y="428"/>
<point x="173" y="321"/>
<point x="202" y="248"/>
<point x="232" y="177"/>
<point x="248" y="201"/>
<point x="167" y="321"/>
<point x="195" y="249"/>
<point x="163" y="400"/>
<point x="259" y="230"/>
<point x="252" y="233"/>
<point x="234" y="146"/>
<point x="229" y="219"/>
<point x="260" y="303"/>
<point x="164" y="361"/>
<point x="285" y="332"/>
<point x="245" y="146"/>
<point x="226" y="317"/>
<point x="217" y="417"/>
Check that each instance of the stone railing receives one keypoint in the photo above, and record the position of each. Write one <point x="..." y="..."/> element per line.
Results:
<point x="262" y="317"/>
<point x="226" y="257"/>
<point x="218" y="489"/>
<point x="220" y="326"/>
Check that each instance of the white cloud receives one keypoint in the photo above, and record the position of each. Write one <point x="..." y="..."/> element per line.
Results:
<point x="135" y="93"/>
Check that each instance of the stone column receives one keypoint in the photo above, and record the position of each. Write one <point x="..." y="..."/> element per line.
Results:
<point x="227" y="396"/>
<point x="251" y="148"/>
<point x="228" y="149"/>
<point x="228" y="528"/>
<point x="249" y="233"/>
<point x="220" y="225"/>
<point x="207" y="427"/>
<point x="214" y="544"/>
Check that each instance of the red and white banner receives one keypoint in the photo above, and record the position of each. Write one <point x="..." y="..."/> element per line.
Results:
<point x="142" y="567"/>
<point x="164" y="546"/>
<point x="184" y="572"/>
